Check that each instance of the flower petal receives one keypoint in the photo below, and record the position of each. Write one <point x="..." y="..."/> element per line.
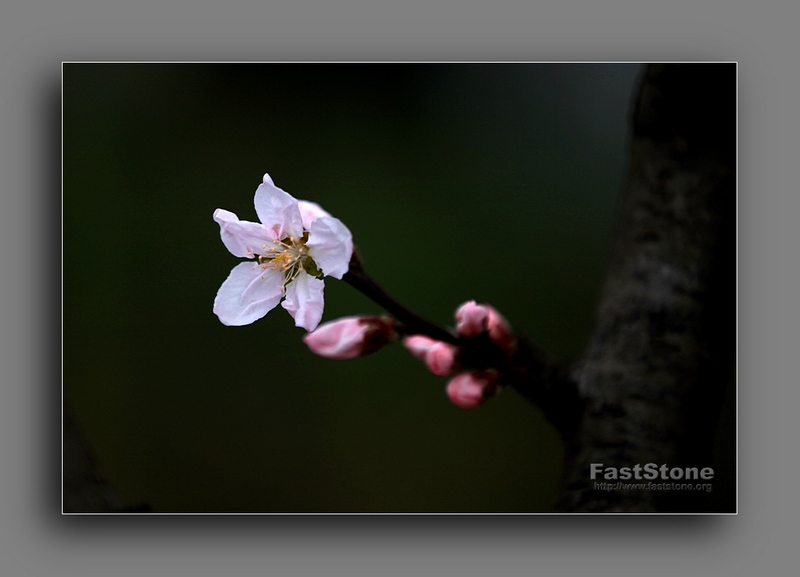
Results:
<point x="304" y="300"/>
<point x="330" y="244"/>
<point x="240" y="237"/>
<point x="248" y="294"/>
<point x="310" y="211"/>
<point x="278" y="211"/>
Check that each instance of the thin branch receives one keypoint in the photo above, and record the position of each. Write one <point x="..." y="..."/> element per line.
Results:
<point x="529" y="370"/>
<point x="412" y="323"/>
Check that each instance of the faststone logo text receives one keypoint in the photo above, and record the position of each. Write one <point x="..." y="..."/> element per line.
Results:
<point x="649" y="471"/>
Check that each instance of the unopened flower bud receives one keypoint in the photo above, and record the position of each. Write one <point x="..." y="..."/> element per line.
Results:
<point x="439" y="357"/>
<point x="471" y="319"/>
<point x="499" y="329"/>
<point x="351" y="337"/>
<point x="471" y="389"/>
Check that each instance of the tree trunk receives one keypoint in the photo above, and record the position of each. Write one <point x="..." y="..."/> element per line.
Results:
<point x="651" y="380"/>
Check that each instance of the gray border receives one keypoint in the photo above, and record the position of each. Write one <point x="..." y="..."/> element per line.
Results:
<point x="35" y="539"/>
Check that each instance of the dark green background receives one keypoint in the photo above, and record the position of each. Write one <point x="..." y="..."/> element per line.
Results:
<point x="490" y="182"/>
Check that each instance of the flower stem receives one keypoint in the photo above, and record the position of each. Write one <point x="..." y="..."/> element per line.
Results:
<point x="412" y="323"/>
<point x="531" y="372"/>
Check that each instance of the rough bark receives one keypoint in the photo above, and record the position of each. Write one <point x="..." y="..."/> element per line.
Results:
<point x="651" y="381"/>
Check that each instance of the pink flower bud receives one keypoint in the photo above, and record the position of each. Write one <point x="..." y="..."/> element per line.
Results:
<point x="471" y="389"/>
<point x="350" y="337"/>
<point x="499" y="329"/>
<point x="471" y="319"/>
<point x="439" y="357"/>
<point x="418" y="345"/>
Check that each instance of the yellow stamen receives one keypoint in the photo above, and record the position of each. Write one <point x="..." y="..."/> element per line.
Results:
<point x="287" y="256"/>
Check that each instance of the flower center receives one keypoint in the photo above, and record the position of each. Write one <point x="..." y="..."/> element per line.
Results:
<point x="290" y="256"/>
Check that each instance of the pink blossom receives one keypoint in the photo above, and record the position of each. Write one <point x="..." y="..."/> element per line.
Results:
<point x="418" y="345"/>
<point x="439" y="357"/>
<point x="471" y="389"/>
<point x="472" y="319"/>
<point x="499" y="329"/>
<point x="350" y="337"/>
<point x="294" y="246"/>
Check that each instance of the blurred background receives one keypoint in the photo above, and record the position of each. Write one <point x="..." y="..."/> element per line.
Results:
<point x="495" y="182"/>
